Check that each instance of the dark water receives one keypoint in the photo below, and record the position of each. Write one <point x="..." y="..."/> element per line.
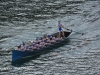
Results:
<point x="23" y="20"/>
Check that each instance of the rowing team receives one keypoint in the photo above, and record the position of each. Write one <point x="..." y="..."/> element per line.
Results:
<point x="39" y="43"/>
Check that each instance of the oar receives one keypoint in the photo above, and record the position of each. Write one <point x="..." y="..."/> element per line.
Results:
<point x="75" y="31"/>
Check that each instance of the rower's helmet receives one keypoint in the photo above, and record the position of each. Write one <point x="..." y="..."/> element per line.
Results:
<point x="37" y="38"/>
<point x="23" y="43"/>
<point x="41" y="38"/>
<point x="19" y="46"/>
<point x="48" y="36"/>
<point x="59" y="21"/>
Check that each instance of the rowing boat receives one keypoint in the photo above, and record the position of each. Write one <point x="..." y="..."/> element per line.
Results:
<point x="16" y="54"/>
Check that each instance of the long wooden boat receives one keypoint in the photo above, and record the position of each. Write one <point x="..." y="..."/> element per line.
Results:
<point x="16" y="55"/>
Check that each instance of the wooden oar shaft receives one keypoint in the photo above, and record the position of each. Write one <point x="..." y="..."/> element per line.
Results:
<point x="75" y="31"/>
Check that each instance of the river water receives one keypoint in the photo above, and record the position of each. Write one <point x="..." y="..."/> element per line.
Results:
<point x="24" y="20"/>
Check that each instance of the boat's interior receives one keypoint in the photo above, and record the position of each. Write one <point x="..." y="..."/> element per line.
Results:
<point x="66" y="33"/>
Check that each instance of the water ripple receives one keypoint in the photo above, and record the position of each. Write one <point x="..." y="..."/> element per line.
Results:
<point x="28" y="19"/>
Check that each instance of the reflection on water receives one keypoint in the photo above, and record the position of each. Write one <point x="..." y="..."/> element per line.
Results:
<point x="25" y="20"/>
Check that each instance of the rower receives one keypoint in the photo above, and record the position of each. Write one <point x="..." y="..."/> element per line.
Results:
<point x="19" y="47"/>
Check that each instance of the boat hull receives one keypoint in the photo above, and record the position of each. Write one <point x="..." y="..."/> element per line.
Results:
<point x="16" y="55"/>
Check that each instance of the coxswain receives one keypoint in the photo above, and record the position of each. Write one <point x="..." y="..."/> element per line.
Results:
<point x="60" y="30"/>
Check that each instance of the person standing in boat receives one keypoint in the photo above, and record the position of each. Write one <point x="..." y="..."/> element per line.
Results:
<point x="60" y="30"/>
